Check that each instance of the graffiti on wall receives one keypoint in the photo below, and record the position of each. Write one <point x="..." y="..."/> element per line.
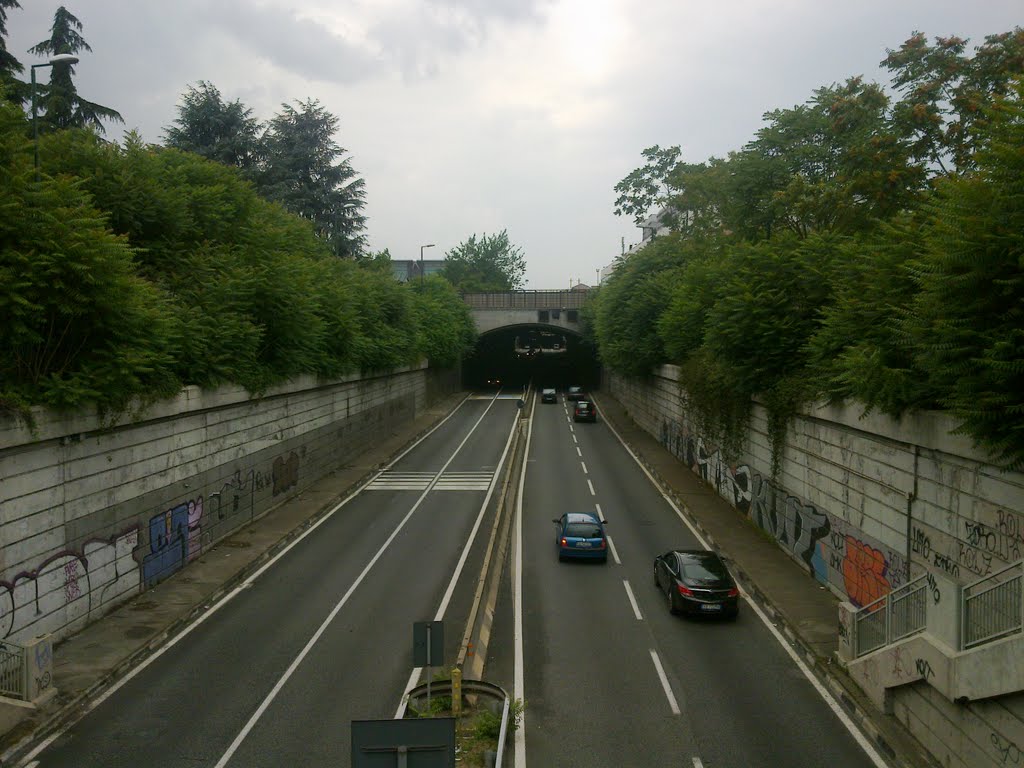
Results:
<point x="285" y="473"/>
<point x="174" y="539"/>
<point x="833" y="550"/>
<point x="68" y="588"/>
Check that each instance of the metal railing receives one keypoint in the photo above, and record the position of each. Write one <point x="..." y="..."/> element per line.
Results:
<point x="892" y="617"/>
<point x="992" y="606"/>
<point x="12" y="670"/>
<point x="556" y="299"/>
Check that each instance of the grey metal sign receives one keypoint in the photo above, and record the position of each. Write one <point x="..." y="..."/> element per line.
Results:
<point x="427" y="742"/>
<point x="428" y="644"/>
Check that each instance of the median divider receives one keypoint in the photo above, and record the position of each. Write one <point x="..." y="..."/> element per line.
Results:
<point x="473" y="648"/>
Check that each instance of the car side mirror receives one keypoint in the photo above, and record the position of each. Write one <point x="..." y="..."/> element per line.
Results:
<point x="555" y="520"/>
<point x="604" y="522"/>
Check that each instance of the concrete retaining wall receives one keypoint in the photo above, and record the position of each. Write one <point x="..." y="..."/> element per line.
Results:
<point x="865" y="504"/>
<point x="92" y="514"/>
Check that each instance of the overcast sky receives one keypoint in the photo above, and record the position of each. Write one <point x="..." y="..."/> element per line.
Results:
<point x="473" y="116"/>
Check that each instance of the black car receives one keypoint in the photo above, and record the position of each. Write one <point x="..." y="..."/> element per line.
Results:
<point x="574" y="393"/>
<point x="548" y="396"/>
<point x="696" y="582"/>
<point x="584" y="411"/>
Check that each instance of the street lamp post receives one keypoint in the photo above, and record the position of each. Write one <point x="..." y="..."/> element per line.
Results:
<point x="431" y="245"/>
<point x="60" y="58"/>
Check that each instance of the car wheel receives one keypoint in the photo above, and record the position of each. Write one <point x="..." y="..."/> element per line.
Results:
<point x="671" y="602"/>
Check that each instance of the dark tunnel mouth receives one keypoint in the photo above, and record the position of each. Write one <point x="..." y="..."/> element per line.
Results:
<point x="547" y="356"/>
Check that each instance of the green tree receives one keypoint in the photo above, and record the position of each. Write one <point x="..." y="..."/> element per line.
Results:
<point x="490" y="263"/>
<point x="444" y="323"/>
<point x="943" y="93"/>
<point x="62" y="107"/>
<point x="222" y="131"/>
<point x="11" y="89"/>
<point x="968" y="317"/>
<point x="307" y="172"/>
<point x="648" y="186"/>
<point x="631" y="302"/>
<point x="80" y="327"/>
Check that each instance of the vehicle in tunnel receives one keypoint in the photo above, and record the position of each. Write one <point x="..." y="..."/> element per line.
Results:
<point x="584" y="411"/>
<point x="549" y="395"/>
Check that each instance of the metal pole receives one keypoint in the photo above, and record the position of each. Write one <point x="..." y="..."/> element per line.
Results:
<point x="428" y="661"/>
<point x="35" y="124"/>
<point x="421" y="288"/>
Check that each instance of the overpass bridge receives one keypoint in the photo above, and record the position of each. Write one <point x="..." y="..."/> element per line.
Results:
<point x="530" y="336"/>
<point x="555" y="309"/>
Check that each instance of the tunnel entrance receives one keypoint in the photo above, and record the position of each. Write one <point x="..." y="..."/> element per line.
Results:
<point x="547" y="356"/>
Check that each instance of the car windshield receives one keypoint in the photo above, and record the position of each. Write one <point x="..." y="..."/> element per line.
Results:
<point x="704" y="569"/>
<point x="583" y="530"/>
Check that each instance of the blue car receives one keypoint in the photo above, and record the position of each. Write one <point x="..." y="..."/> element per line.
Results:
<point x="581" y="535"/>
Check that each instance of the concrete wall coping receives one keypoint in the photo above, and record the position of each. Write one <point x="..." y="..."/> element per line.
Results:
<point x="931" y="430"/>
<point x="52" y="425"/>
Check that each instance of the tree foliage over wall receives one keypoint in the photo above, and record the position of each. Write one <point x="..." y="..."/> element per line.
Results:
<point x="131" y="270"/>
<point x="855" y="249"/>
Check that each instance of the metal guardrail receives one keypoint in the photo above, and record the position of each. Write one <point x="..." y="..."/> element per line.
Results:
<point x="557" y="299"/>
<point x="892" y="617"/>
<point x="12" y="670"/>
<point x="992" y="606"/>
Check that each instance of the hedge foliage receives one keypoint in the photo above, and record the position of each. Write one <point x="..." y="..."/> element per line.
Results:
<point x="921" y="310"/>
<point x="131" y="270"/>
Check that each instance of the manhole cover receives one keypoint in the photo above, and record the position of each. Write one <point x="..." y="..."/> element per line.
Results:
<point x="137" y="633"/>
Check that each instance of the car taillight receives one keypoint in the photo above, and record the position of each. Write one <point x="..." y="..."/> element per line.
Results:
<point x="603" y="544"/>
<point x="733" y="592"/>
<point x="685" y="591"/>
<point x="564" y="541"/>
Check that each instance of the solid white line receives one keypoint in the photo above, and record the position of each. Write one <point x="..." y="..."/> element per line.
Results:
<point x="518" y="692"/>
<point x="337" y="608"/>
<point x="583" y="464"/>
<point x="592" y="491"/>
<point x="832" y="703"/>
<point x="664" y="682"/>
<point x="414" y="678"/>
<point x="822" y="691"/>
<point x="611" y="546"/>
<point x="697" y="763"/>
<point x="632" y="600"/>
<point x="230" y="595"/>
<point x="578" y="451"/>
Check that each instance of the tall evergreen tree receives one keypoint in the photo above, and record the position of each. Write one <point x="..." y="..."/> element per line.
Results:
<point x="62" y="106"/>
<point x="223" y="131"/>
<point x="10" y="88"/>
<point x="307" y="172"/>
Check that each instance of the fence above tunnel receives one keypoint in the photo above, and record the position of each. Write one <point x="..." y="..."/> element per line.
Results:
<point x="547" y="299"/>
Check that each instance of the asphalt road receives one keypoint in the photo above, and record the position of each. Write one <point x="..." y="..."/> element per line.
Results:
<point x="610" y="678"/>
<point x="321" y="637"/>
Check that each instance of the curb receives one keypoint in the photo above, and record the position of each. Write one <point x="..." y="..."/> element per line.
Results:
<point x="818" y="664"/>
<point x="68" y="712"/>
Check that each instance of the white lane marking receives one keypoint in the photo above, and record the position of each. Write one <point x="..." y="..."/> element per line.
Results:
<point x="337" y="608"/>
<point x="584" y="465"/>
<point x="664" y="682"/>
<point x="632" y="600"/>
<point x="415" y="676"/>
<point x="832" y="703"/>
<point x="578" y="451"/>
<point x="697" y="763"/>
<point x="518" y="693"/>
<point x="611" y="546"/>
<point x="574" y="439"/>
<point x="823" y="692"/>
<point x="232" y="594"/>
<point x="597" y="508"/>
<point x="592" y="491"/>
